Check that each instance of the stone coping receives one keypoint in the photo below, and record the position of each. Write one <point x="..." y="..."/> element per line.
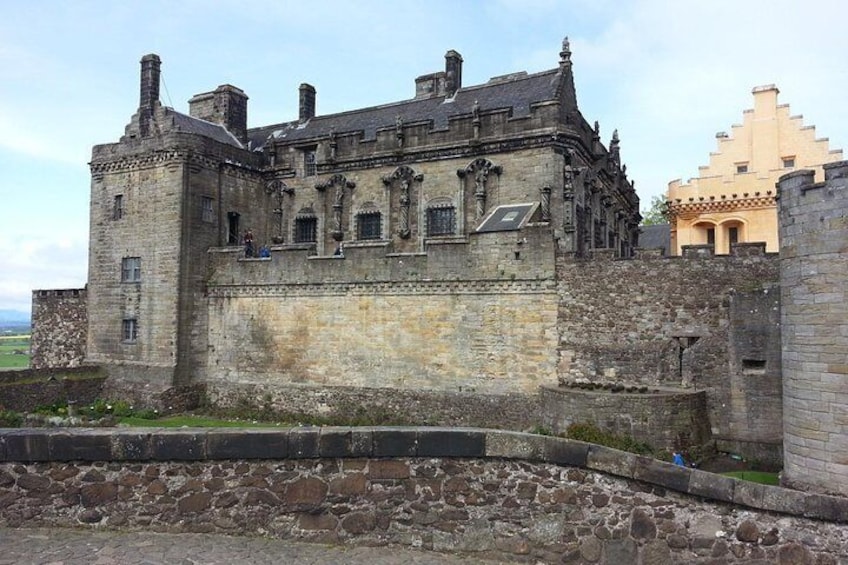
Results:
<point x="210" y="444"/>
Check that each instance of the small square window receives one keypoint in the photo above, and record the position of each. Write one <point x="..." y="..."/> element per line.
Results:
<point x="741" y="168"/>
<point x="441" y="221"/>
<point x="789" y="162"/>
<point x="310" y="164"/>
<point x="118" y="207"/>
<point x="368" y="226"/>
<point x="207" y="209"/>
<point x="131" y="269"/>
<point x="305" y="230"/>
<point x="129" y="330"/>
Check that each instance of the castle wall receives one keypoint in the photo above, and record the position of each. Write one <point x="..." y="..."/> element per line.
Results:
<point x="476" y="316"/>
<point x="814" y="316"/>
<point x="673" y="321"/>
<point x="59" y="324"/>
<point x="754" y="386"/>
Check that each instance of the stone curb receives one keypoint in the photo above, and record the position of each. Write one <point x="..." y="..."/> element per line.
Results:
<point x="198" y="444"/>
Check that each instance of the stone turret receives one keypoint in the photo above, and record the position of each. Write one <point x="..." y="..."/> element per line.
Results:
<point x="814" y="322"/>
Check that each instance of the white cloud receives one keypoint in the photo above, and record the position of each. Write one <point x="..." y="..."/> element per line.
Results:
<point x="28" y="264"/>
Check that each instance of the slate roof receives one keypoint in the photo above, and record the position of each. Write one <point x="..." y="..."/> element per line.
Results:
<point x="516" y="91"/>
<point x="188" y="124"/>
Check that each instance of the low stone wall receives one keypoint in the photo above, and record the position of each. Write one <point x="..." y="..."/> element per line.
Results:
<point x="515" y="411"/>
<point x="503" y="495"/>
<point x="24" y="390"/>
<point x="666" y="419"/>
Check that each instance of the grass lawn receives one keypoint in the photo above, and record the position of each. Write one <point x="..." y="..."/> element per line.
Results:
<point x="9" y="345"/>
<point x="192" y="422"/>
<point x="754" y="476"/>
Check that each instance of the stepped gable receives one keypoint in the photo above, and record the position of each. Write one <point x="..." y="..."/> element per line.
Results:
<point x="516" y="92"/>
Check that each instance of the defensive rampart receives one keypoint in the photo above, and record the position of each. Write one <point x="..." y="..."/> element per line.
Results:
<point x="508" y="496"/>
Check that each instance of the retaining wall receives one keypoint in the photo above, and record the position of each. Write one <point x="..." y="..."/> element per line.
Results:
<point x="503" y="495"/>
<point x="26" y="389"/>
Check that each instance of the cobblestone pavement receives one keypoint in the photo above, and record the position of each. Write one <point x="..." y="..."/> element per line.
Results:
<point x="71" y="547"/>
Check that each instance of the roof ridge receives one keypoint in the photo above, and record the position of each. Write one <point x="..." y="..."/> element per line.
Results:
<point x="407" y="101"/>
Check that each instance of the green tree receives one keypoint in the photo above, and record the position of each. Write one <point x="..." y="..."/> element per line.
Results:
<point x="657" y="213"/>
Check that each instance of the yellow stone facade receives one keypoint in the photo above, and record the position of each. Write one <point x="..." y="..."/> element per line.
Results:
<point x="733" y="198"/>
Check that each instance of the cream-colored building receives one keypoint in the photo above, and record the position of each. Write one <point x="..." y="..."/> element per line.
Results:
<point x="733" y="198"/>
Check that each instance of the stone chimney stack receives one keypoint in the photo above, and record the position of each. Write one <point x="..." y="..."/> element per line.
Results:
<point x="226" y="105"/>
<point x="149" y="91"/>
<point x="453" y="73"/>
<point x="307" y="102"/>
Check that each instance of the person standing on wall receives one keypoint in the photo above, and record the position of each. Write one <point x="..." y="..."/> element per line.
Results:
<point x="248" y="243"/>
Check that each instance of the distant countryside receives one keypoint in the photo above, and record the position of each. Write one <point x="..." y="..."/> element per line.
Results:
<point x="14" y="349"/>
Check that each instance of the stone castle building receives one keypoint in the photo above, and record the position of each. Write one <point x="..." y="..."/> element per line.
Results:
<point x="468" y="256"/>
<point x="375" y="220"/>
<point x="733" y="199"/>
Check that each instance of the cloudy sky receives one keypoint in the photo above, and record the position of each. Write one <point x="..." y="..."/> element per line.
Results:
<point x="668" y="74"/>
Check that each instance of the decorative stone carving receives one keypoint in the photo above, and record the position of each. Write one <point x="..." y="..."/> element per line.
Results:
<point x="279" y="190"/>
<point x="568" y="174"/>
<point x="404" y="177"/>
<point x="340" y="183"/>
<point x="480" y="168"/>
<point x="565" y="54"/>
<point x="546" y="203"/>
<point x="399" y="131"/>
<point x="334" y="145"/>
